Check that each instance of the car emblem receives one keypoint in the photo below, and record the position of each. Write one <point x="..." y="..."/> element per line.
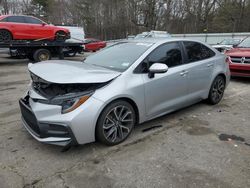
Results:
<point x="243" y="60"/>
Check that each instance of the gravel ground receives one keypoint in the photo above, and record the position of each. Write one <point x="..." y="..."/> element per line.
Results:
<point x="184" y="151"/>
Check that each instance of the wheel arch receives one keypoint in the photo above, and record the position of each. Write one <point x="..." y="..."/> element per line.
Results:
<point x="216" y="75"/>
<point x="223" y="75"/>
<point x="127" y="99"/>
<point x="59" y="30"/>
<point x="6" y="29"/>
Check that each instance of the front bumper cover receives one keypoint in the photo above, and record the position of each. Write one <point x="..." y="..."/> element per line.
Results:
<point x="46" y="132"/>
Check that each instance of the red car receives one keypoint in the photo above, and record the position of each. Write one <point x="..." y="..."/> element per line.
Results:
<point x="239" y="59"/>
<point x="94" y="44"/>
<point x="14" y="27"/>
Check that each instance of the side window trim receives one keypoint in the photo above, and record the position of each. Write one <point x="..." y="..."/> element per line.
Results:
<point x="136" y="71"/>
<point x="185" y="59"/>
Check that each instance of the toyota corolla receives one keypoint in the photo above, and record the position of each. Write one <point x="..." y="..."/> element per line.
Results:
<point x="106" y="95"/>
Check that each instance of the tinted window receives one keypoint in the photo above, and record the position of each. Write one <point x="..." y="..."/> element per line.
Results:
<point x="169" y="54"/>
<point x="197" y="51"/>
<point x="31" y="20"/>
<point x="16" y="19"/>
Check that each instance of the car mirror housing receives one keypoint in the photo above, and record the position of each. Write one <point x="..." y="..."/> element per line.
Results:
<point x="157" y="68"/>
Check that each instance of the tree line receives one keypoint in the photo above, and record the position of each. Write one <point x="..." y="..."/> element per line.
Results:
<point x="113" y="19"/>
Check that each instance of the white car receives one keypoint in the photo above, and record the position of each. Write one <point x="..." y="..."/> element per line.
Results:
<point x="227" y="44"/>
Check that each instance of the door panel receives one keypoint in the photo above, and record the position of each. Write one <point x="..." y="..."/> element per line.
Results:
<point x="36" y="29"/>
<point x="165" y="92"/>
<point x="199" y="64"/>
<point x="199" y="77"/>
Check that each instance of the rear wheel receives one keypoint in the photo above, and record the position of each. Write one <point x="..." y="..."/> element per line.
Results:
<point x="217" y="90"/>
<point x="60" y="36"/>
<point x="42" y="55"/>
<point x="5" y="36"/>
<point x="115" y="123"/>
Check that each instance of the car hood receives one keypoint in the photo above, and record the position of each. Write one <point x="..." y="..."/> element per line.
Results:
<point x="66" y="72"/>
<point x="239" y="52"/>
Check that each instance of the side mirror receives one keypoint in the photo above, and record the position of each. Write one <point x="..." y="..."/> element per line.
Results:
<point x="157" y="68"/>
<point x="234" y="45"/>
<point x="43" y="24"/>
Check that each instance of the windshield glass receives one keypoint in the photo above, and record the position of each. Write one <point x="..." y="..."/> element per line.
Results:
<point x="139" y="36"/>
<point x="119" y="56"/>
<point x="245" y="43"/>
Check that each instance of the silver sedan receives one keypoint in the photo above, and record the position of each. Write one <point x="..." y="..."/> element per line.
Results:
<point x="106" y="95"/>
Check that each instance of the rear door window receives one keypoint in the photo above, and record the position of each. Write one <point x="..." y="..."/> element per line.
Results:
<point x="197" y="51"/>
<point x="31" y="20"/>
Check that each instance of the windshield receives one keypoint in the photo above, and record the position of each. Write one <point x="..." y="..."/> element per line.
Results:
<point x="245" y="43"/>
<point x="139" y="36"/>
<point x="119" y="56"/>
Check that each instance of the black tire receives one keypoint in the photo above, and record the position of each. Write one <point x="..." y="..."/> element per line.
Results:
<point x="60" y="36"/>
<point x="5" y="36"/>
<point x="115" y="123"/>
<point x="42" y="55"/>
<point x="217" y="90"/>
<point x="30" y="57"/>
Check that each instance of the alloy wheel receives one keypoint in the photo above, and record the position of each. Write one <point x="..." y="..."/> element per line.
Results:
<point x="118" y="124"/>
<point x="218" y="89"/>
<point x="5" y="36"/>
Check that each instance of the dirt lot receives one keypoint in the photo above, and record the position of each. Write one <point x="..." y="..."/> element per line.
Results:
<point x="184" y="152"/>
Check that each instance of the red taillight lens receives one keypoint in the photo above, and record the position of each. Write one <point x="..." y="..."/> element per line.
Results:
<point x="228" y="60"/>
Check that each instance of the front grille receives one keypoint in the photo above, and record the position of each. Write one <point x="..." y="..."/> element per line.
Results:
<point x="240" y="71"/>
<point x="29" y="117"/>
<point x="242" y="60"/>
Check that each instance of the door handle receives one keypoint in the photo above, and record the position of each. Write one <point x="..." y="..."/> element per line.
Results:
<point x="210" y="64"/>
<point x="183" y="73"/>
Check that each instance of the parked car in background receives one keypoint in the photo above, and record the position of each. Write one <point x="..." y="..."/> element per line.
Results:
<point x="153" y="34"/>
<point x="93" y="45"/>
<point x="239" y="59"/>
<point x="227" y="44"/>
<point x="20" y="27"/>
<point x="128" y="83"/>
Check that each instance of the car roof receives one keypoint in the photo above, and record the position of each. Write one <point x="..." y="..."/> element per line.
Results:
<point x="160" y="40"/>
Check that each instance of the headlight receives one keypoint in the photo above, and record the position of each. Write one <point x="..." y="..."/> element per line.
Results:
<point x="69" y="105"/>
<point x="70" y="102"/>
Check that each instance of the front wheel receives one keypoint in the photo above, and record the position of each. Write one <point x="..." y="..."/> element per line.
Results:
<point x="115" y="123"/>
<point x="217" y="90"/>
<point x="60" y="36"/>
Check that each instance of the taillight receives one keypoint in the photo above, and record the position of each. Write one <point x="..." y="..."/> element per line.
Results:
<point x="228" y="59"/>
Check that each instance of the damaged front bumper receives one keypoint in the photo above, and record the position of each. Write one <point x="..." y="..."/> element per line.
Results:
<point x="46" y="132"/>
